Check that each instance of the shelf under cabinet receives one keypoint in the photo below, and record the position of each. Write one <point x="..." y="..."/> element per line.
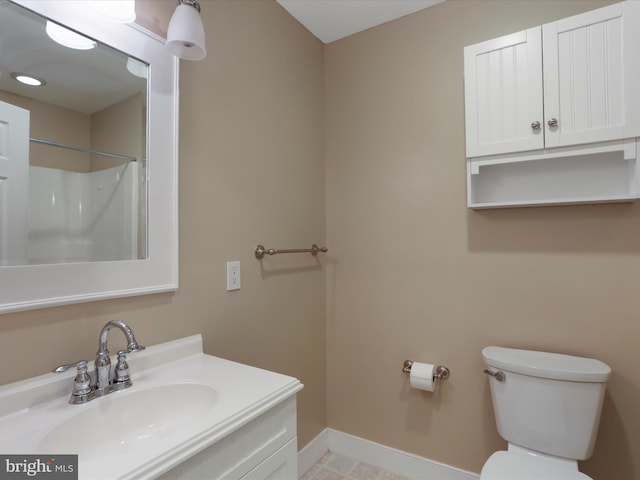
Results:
<point x="597" y="174"/>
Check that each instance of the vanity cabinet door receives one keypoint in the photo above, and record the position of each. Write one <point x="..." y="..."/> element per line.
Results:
<point x="503" y="94"/>
<point x="281" y="465"/>
<point x="584" y="78"/>
<point x="263" y="449"/>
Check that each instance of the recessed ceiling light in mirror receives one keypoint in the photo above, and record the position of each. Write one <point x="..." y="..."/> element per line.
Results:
<point x="68" y="38"/>
<point x="28" y="79"/>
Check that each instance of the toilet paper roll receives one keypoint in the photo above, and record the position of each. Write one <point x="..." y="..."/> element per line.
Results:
<point x="421" y="376"/>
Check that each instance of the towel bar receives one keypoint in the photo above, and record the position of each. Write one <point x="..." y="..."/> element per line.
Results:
<point x="261" y="251"/>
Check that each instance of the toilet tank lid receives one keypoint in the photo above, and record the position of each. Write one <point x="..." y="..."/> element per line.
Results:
<point x="547" y="365"/>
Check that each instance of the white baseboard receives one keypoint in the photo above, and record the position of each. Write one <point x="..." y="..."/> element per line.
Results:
<point x="387" y="458"/>
<point x="313" y="451"/>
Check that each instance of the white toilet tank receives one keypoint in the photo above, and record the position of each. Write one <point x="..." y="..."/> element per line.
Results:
<point x="547" y="402"/>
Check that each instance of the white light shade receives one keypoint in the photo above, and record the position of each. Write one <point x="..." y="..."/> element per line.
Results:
<point x="121" y="11"/>
<point x="68" y="38"/>
<point x="185" y="37"/>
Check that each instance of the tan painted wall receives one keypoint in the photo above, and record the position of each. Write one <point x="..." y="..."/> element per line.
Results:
<point x="118" y="129"/>
<point x="251" y="171"/>
<point x="56" y="124"/>
<point x="413" y="274"/>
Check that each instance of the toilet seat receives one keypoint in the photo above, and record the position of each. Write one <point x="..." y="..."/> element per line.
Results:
<point x="519" y="466"/>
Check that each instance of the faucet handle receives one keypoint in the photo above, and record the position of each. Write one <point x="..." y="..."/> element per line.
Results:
<point x="122" y="369"/>
<point x="82" y="382"/>
<point x="81" y="364"/>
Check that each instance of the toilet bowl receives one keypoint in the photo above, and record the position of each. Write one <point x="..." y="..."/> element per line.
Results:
<point x="509" y="465"/>
<point x="547" y="407"/>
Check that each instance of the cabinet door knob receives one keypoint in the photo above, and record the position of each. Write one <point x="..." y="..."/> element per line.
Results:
<point x="553" y="122"/>
<point x="535" y="125"/>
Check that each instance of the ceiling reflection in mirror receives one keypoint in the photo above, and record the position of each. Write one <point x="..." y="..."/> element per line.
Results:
<point x="72" y="150"/>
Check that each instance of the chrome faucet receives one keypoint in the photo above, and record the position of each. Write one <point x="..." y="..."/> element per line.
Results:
<point x="104" y="382"/>
<point x="103" y="362"/>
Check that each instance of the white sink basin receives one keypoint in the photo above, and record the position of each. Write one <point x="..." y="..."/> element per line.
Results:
<point x="124" y="421"/>
<point x="182" y="401"/>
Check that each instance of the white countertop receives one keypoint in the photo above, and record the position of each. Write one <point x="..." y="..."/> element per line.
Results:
<point x="29" y="409"/>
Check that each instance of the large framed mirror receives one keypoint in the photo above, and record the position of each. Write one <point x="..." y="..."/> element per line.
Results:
<point x="88" y="158"/>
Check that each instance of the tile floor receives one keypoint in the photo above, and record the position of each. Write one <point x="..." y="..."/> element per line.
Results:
<point x="333" y="466"/>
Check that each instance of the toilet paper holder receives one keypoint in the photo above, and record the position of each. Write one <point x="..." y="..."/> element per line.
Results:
<point x="440" y="372"/>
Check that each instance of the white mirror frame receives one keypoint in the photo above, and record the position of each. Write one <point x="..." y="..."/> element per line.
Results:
<point x="38" y="286"/>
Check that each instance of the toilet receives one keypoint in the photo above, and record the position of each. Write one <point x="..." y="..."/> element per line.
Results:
<point x="547" y="407"/>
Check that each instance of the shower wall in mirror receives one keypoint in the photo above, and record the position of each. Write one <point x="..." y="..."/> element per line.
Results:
<point x="72" y="145"/>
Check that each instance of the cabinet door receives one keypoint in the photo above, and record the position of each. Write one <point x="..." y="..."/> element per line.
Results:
<point x="503" y="94"/>
<point x="585" y="91"/>
<point x="281" y="465"/>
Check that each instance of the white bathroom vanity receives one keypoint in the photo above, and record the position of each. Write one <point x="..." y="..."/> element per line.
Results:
<point x="187" y="415"/>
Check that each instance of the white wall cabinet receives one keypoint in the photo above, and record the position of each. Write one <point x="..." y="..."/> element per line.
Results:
<point x="503" y="94"/>
<point x="554" y="101"/>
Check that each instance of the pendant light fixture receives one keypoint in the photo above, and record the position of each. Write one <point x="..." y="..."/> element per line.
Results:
<point x="185" y="36"/>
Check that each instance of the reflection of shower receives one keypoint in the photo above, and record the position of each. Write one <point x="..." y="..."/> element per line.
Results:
<point x="51" y="212"/>
<point x="78" y="217"/>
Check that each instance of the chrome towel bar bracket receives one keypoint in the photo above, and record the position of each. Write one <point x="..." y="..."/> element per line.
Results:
<point x="439" y="373"/>
<point x="261" y="251"/>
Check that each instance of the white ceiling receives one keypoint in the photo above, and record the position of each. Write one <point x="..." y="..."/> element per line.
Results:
<point x="330" y="20"/>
